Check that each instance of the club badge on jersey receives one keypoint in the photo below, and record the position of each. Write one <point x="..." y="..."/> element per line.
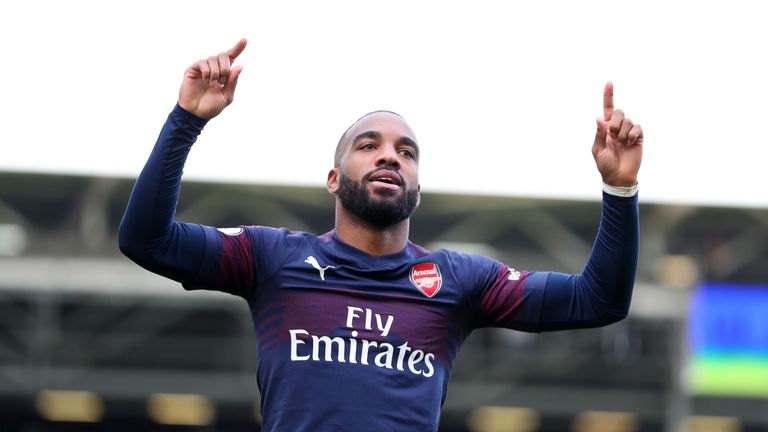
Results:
<point x="427" y="278"/>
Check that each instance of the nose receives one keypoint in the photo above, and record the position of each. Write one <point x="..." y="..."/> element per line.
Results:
<point x="388" y="157"/>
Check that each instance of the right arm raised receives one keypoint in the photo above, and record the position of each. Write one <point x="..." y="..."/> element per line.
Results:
<point x="149" y="234"/>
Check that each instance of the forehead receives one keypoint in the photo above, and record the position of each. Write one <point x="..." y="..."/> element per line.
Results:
<point x="388" y="124"/>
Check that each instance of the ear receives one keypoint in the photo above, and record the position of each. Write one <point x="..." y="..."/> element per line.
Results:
<point x="332" y="184"/>
<point x="418" y="196"/>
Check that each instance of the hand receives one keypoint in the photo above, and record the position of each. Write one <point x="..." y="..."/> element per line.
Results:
<point x="618" y="147"/>
<point x="209" y="84"/>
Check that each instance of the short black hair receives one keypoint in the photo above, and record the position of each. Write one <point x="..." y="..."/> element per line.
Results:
<point x="340" y="145"/>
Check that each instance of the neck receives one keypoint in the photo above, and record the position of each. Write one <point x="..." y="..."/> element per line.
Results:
<point x="370" y="239"/>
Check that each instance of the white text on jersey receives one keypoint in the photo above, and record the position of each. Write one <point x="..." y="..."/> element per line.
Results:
<point x="356" y="350"/>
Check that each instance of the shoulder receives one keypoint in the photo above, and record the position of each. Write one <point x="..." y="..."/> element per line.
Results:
<point x="264" y="237"/>
<point x="461" y="265"/>
<point x="466" y="259"/>
<point x="267" y="231"/>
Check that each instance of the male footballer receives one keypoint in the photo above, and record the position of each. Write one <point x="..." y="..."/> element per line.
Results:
<point x="357" y="329"/>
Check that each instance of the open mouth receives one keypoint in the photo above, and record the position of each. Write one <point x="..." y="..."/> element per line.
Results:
<point x="386" y="177"/>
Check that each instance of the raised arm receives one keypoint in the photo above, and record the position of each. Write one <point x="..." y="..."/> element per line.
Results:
<point x="601" y="294"/>
<point x="149" y="234"/>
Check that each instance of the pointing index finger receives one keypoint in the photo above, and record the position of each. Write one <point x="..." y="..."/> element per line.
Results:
<point x="237" y="49"/>
<point x="608" y="101"/>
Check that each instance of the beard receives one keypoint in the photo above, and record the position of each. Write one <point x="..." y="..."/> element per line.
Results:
<point x="381" y="213"/>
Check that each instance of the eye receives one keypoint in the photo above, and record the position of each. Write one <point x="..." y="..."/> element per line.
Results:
<point x="407" y="153"/>
<point x="367" y="146"/>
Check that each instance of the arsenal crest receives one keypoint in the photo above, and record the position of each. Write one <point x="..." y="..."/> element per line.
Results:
<point x="426" y="277"/>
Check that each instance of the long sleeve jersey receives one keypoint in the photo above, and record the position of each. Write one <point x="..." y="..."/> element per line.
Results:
<point x="348" y="341"/>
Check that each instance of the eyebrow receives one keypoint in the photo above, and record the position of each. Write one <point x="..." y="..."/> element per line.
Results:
<point x="367" y="134"/>
<point x="375" y="135"/>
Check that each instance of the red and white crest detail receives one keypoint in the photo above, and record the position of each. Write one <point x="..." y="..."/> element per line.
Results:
<point x="427" y="278"/>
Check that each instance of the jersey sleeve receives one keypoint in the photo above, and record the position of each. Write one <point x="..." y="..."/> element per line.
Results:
<point x="547" y="301"/>
<point x="197" y="256"/>
<point x="238" y="260"/>
<point x="506" y="297"/>
<point x="149" y="234"/>
<point x="601" y="294"/>
<point x="227" y="261"/>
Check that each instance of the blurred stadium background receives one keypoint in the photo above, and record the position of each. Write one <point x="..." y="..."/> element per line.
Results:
<point x="91" y="342"/>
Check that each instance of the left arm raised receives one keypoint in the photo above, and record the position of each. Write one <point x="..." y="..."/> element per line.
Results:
<point x="601" y="294"/>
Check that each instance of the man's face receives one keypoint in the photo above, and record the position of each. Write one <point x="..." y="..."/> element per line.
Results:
<point x="377" y="177"/>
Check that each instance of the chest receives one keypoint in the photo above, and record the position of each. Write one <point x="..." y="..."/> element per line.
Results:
<point x="417" y="302"/>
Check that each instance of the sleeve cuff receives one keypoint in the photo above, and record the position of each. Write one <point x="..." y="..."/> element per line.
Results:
<point x="622" y="191"/>
<point x="189" y="118"/>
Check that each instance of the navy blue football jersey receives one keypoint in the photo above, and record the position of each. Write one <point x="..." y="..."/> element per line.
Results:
<point x="358" y="341"/>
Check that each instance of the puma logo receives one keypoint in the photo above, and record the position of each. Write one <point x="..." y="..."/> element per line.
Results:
<point x="313" y="262"/>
